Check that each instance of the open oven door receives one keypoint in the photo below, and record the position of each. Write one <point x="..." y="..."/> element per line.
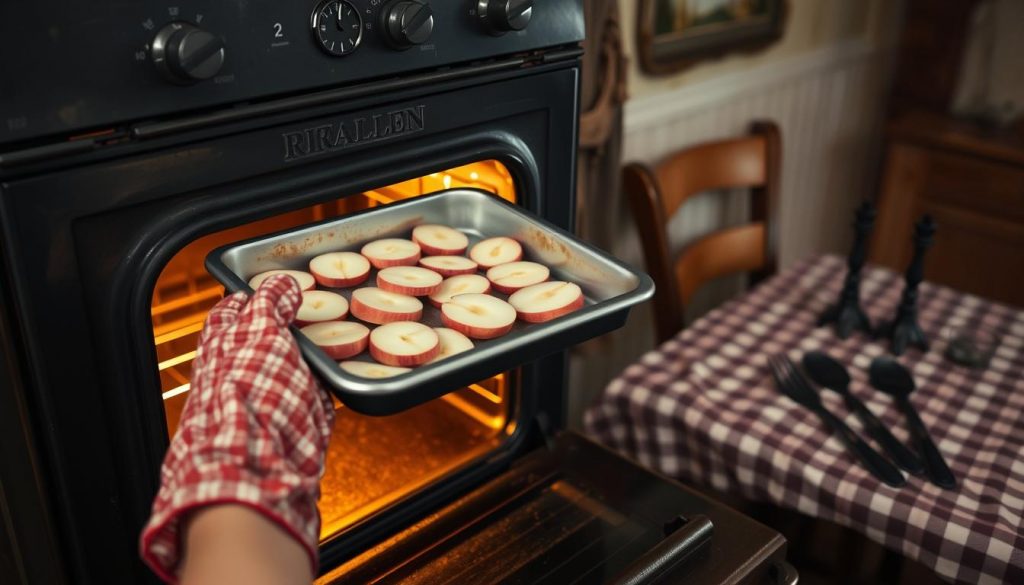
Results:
<point x="574" y="512"/>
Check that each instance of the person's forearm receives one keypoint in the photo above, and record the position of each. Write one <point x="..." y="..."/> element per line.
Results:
<point x="232" y="544"/>
<point x="240" y="481"/>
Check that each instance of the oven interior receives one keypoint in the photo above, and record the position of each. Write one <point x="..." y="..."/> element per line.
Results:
<point x="372" y="462"/>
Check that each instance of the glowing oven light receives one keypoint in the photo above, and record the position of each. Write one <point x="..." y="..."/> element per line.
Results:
<point x="179" y="359"/>
<point x="176" y="391"/>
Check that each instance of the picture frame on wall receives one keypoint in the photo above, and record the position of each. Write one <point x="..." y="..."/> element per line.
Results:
<point x="675" y="34"/>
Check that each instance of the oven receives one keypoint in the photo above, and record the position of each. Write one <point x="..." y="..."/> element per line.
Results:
<point x="139" y="136"/>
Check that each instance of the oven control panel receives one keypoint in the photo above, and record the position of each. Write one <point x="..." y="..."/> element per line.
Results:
<point x="89" y="66"/>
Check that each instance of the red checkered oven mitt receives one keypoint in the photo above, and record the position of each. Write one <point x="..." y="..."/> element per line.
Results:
<point x="254" y="430"/>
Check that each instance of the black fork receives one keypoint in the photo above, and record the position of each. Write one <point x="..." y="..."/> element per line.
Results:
<point x="795" y="386"/>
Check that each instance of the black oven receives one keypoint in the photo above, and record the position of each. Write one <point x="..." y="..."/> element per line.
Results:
<point x="139" y="136"/>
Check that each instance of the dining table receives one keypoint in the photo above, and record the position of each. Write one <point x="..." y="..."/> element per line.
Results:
<point x="703" y="408"/>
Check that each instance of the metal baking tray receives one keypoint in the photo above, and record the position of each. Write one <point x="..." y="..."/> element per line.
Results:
<point x="610" y="289"/>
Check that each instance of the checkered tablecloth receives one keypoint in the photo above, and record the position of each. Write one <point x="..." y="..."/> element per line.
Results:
<point x="703" y="408"/>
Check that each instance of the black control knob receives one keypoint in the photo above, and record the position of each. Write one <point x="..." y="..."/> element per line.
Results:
<point x="408" y="23"/>
<point x="502" y="16"/>
<point x="185" y="53"/>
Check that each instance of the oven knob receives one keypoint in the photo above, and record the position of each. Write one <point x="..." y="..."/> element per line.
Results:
<point x="408" y="23"/>
<point x="502" y="16"/>
<point x="185" y="53"/>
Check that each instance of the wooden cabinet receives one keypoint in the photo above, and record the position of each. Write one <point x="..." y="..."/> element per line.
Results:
<point x="972" y="183"/>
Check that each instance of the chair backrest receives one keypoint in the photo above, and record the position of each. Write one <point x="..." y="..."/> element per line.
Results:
<point x="752" y="161"/>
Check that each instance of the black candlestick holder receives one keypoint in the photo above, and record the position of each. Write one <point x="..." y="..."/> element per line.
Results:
<point x="904" y="330"/>
<point x="847" y="314"/>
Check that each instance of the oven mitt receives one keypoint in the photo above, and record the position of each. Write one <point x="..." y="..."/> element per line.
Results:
<point x="254" y="430"/>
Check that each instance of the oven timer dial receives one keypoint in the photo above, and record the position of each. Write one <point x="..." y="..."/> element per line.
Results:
<point x="337" y="27"/>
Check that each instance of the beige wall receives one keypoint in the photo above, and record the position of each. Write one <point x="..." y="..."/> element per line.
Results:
<point x="810" y="25"/>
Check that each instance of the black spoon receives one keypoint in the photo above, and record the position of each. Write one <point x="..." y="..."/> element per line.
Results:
<point x="891" y="377"/>
<point x="831" y="374"/>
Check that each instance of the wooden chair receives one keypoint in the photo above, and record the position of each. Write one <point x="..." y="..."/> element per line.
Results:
<point x="753" y="162"/>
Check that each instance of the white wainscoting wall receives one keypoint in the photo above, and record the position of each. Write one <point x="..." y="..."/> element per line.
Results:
<point x="829" y="106"/>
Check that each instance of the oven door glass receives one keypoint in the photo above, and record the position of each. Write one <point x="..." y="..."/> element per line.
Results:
<point x="372" y="462"/>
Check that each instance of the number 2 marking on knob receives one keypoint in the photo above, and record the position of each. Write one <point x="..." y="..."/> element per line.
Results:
<point x="277" y="30"/>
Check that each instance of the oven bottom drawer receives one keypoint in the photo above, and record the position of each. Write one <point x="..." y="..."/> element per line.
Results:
<point x="575" y="513"/>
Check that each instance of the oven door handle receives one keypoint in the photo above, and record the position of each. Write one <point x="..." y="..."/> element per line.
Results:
<point x="667" y="554"/>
